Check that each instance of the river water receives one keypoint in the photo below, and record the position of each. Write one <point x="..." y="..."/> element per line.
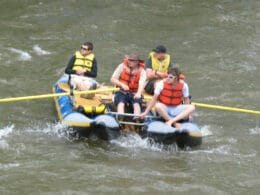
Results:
<point x="217" y="46"/>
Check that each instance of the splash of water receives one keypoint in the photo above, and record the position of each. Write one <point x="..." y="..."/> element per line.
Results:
<point x="39" y="51"/>
<point x="206" y="131"/>
<point x="53" y="129"/>
<point x="131" y="140"/>
<point x="24" y="56"/>
<point x="6" y="131"/>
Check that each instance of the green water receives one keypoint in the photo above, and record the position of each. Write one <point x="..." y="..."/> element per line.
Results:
<point x="215" y="43"/>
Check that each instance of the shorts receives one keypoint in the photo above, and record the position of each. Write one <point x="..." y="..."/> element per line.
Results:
<point x="175" y="110"/>
<point x="127" y="98"/>
<point x="75" y="80"/>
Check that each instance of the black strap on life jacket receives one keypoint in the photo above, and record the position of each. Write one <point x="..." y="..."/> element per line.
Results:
<point x="71" y="87"/>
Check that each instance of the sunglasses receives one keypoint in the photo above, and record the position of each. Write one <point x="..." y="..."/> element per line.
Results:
<point x="84" y="48"/>
<point x="171" y="77"/>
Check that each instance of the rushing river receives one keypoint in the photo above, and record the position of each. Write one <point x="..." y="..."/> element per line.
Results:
<point x="215" y="43"/>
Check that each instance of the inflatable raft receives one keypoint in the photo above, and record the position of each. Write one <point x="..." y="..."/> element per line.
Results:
<point x="97" y="117"/>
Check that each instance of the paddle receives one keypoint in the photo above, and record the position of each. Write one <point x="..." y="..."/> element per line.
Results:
<point x="34" y="97"/>
<point x="218" y="107"/>
<point x="226" y="108"/>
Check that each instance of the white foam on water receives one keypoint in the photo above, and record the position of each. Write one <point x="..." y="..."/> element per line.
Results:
<point x="60" y="130"/>
<point x="246" y="66"/>
<point x="254" y="131"/>
<point x="132" y="140"/>
<point x="226" y="150"/>
<point x="227" y="18"/>
<point x="205" y="130"/>
<point x="53" y="129"/>
<point x="4" y="132"/>
<point x="9" y="165"/>
<point x="24" y="56"/>
<point x="223" y="150"/>
<point x="3" y="81"/>
<point x="128" y="140"/>
<point x="39" y="51"/>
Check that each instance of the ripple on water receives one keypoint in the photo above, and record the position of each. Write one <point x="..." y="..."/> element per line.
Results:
<point x="39" y="51"/>
<point x="23" y="55"/>
<point x="254" y="131"/>
<point x="3" y="81"/>
<point x="9" y="165"/>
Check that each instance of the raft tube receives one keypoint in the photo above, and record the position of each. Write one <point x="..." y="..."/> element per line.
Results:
<point x="188" y="135"/>
<point x="103" y="126"/>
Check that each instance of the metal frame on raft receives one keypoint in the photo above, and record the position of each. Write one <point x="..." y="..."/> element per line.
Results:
<point x="134" y="117"/>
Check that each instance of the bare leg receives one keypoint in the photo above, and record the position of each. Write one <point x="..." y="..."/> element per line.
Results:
<point x="162" y="111"/>
<point x="137" y="109"/>
<point x="185" y="113"/>
<point x="121" y="107"/>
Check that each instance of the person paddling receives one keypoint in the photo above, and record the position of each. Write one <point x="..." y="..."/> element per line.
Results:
<point x="171" y="93"/>
<point x="130" y="77"/>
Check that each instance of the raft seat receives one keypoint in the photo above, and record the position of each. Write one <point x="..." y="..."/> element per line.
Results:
<point x="95" y="105"/>
<point x="90" y="106"/>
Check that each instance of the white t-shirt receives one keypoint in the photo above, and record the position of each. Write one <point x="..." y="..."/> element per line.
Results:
<point x="159" y="88"/>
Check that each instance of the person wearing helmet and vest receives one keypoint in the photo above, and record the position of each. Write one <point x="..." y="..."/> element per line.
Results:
<point x="83" y="68"/>
<point x="130" y="77"/>
<point x="173" y="99"/>
<point x="157" y="64"/>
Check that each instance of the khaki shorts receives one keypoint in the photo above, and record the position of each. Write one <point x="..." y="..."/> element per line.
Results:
<point x="75" y="80"/>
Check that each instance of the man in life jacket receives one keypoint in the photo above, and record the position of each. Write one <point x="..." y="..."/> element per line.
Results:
<point x="130" y="77"/>
<point x="171" y="94"/>
<point x="156" y="67"/>
<point x="83" y="69"/>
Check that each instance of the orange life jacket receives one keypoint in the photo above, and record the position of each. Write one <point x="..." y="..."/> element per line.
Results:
<point x="131" y="77"/>
<point x="171" y="95"/>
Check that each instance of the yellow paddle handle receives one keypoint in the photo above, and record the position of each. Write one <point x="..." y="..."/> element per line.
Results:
<point x="226" y="108"/>
<point x="34" y="97"/>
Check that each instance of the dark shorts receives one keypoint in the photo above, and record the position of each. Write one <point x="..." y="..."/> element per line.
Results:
<point x="127" y="98"/>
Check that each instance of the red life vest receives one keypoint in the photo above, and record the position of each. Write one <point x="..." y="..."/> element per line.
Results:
<point x="131" y="77"/>
<point x="171" y="95"/>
